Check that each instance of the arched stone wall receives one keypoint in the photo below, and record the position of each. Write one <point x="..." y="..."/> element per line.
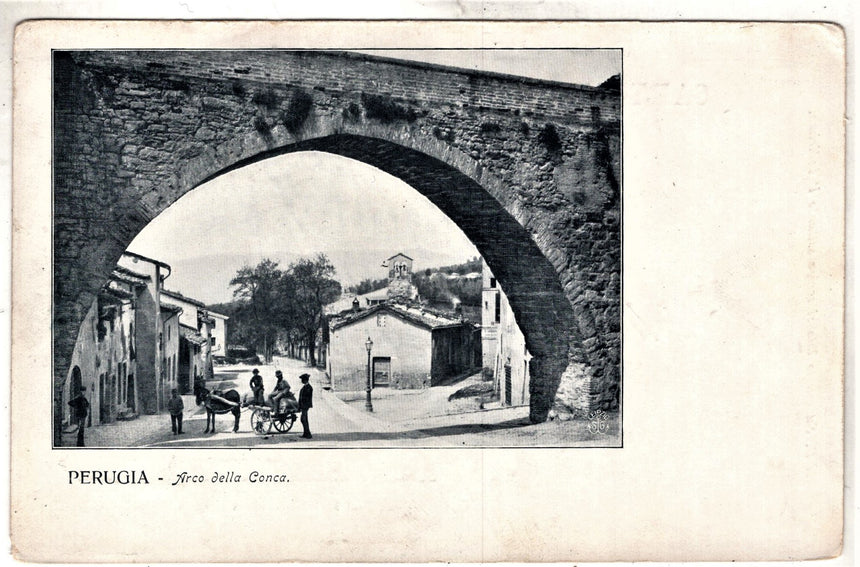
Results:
<point x="537" y="191"/>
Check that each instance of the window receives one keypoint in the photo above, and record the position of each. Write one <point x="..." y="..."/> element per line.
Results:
<point x="380" y="320"/>
<point x="492" y="282"/>
<point x="498" y="308"/>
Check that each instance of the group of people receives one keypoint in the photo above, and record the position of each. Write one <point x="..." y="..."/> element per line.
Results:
<point x="283" y="393"/>
<point x="80" y="406"/>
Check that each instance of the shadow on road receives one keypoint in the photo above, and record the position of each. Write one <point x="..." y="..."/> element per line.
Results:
<point x="358" y="436"/>
<point x="442" y="431"/>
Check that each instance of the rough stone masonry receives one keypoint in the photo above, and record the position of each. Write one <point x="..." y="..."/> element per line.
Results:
<point x="528" y="169"/>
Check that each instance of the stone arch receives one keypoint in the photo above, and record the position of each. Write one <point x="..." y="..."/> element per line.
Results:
<point x="134" y="131"/>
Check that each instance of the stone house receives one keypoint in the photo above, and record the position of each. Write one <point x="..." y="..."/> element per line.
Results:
<point x="169" y="347"/>
<point x="128" y="353"/>
<point x="148" y="329"/>
<point x="101" y="360"/>
<point x="197" y="328"/>
<point x="106" y="359"/>
<point x="218" y="338"/>
<point x="503" y="344"/>
<point x="412" y="347"/>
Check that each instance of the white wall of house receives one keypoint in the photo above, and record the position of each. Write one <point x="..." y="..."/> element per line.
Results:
<point x="219" y="334"/>
<point x="148" y="327"/>
<point x="490" y="295"/>
<point x="512" y="359"/>
<point x="103" y="362"/>
<point x="409" y="346"/>
<point x="168" y="379"/>
<point x="188" y="317"/>
<point x="503" y="343"/>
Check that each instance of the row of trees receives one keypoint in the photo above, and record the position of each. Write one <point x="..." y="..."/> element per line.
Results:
<point x="368" y="285"/>
<point x="438" y="290"/>
<point x="271" y="302"/>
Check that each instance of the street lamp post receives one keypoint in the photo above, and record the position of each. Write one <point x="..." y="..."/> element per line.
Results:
<point x="367" y="404"/>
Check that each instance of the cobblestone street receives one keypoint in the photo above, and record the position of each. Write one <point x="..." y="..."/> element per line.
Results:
<point x="401" y="418"/>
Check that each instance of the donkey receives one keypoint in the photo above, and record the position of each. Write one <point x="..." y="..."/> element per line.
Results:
<point x="219" y="402"/>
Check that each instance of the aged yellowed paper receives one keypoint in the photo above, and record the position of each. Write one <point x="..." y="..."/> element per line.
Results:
<point x="711" y="429"/>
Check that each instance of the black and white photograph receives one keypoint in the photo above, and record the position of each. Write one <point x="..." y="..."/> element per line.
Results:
<point x="428" y="291"/>
<point x="429" y="240"/>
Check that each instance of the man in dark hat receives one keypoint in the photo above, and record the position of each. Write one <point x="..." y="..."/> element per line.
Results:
<point x="282" y="388"/>
<point x="175" y="407"/>
<point x="306" y="402"/>
<point x="256" y="385"/>
<point x="80" y="410"/>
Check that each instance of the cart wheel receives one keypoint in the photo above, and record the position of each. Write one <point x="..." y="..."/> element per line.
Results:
<point x="261" y="421"/>
<point x="284" y="423"/>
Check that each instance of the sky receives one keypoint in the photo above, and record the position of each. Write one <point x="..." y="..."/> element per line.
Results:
<point x="578" y="66"/>
<point x="305" y="203"/>
<point x="297" y="205"/>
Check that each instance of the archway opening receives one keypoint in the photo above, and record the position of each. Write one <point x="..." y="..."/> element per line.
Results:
<point x="519" y="267"/>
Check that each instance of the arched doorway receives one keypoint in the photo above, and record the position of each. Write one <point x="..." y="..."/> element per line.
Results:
<point x="77" y="383"/>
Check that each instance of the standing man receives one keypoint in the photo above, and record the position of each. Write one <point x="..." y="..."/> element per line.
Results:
<point x="175" y="406"/>
<point x="306" y="402"/>
<point x="257" y="387"/>
<point x="80" y="410"/>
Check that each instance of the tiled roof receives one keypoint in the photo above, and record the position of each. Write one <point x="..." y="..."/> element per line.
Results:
<point x="400" y="254"/>
<point x="377" y="294"/>
<point x="191" y="335"/>
<point x="419" y="316"/>
<point x="128" y="276"/>
<point x="180" y="297"/>
<point x="117" y="293"/>
<point x="146" y="259"/>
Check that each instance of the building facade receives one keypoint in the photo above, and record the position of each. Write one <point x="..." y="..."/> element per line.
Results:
<point x="117" y="357"/>
<point x="503" y="345"/>
<point x="102" y="360"/>
<point x="200" y="331"/>
<point x="169" y="348"/>
<point x="411" y="348"/>
<point x="148" y="329"/>
<point x="138" y="341"/>
<point x="218" y="337"/>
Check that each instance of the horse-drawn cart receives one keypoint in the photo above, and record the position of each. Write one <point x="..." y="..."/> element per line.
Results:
<point x="264" y="419"/>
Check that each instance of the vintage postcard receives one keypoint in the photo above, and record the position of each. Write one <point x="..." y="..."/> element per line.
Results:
<point x="435" y="291"/>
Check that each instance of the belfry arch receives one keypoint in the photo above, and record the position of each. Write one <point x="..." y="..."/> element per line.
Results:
<point x="134" y="131"/>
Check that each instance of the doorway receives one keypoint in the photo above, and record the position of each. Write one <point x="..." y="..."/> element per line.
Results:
<point x="76" y="383"/>
<point x="129" y="400"/>
<point x="381" y="371"/>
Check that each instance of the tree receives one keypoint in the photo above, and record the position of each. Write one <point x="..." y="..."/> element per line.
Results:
<point x="288" y="303"/>
<point x="311" y="285"/>
<point x="257" y="290"/>
<point x="368" y="285"/>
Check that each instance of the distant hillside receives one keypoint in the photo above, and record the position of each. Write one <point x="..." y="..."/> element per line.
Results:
<point x="207" y="278"/>
<point x="467" y="267"/>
